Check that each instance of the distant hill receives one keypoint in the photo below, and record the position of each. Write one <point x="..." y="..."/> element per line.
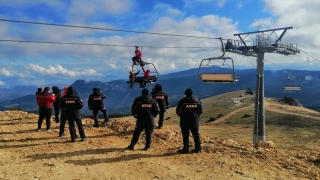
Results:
<point x="120" y="96"/>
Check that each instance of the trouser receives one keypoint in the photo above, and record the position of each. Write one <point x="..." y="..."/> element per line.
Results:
<point x="136" y="134"/>
<point x="63" y="120"/>
<point x="161" y="118"/>
<point x="95" y="112"/>
<point x="72" y="128"/>
<point x="196" y="137"/>
<point x="56" y="113"/>
<point x="135" y="59"/>
<point x="44" y="112"/>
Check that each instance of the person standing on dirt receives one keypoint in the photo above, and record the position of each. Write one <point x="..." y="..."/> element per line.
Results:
<point x="39" y="91"/>
<point x="189" y="109"/>
<point x="95" y="103"/>
<point x="56" y="105"/>
<point x="63" y="117"/>
<point x="45" y="100"/>
<point x="162" y="100"/>
<point x="71" y="103"/>
<point x="144" y="108"/>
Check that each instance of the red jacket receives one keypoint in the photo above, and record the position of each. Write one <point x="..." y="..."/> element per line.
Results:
<point x="138" y="54"/>
<point x="45" y="99"/>
<point x="146" y="73"/>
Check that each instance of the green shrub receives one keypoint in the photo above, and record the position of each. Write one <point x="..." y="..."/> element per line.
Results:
<point x="211" y="119"/>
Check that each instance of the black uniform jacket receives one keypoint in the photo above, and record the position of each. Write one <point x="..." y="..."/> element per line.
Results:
<point x="95" y="100"/>
<point x="71" y="103"/>
<point x="161" y="98"/>
<point x="189" y="109"/>
<point x="144" y="108"/>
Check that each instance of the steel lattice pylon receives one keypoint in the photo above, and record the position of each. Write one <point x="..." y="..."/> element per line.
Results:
<point x="257" y="47"/>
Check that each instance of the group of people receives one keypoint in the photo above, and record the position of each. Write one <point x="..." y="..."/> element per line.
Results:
<point x="144" y="108"/>
<point x="137" y="60"/>
<point x="70" y="105"/>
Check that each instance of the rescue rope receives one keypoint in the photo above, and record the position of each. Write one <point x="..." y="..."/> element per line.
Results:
<point x="117" y="107"/>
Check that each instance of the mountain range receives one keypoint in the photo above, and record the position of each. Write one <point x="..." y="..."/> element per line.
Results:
<point x="120" y="96"/>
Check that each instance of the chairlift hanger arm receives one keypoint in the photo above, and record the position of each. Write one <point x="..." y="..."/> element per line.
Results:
<point x="279" y="39"/>
<point x="222" y="46"/>
<point x="254" y="32"/>
<point x="242" y="41"/>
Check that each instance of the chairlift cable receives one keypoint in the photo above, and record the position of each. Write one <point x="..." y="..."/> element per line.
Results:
<point x="309" y="55"/>
<point x="93" y="44"/>
<point x="117" y="107"/>
<point x="107" y="29"/>
<point x="277" y="65"/>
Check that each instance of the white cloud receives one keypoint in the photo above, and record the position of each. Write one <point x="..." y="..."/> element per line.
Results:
<point x="59" y="70"/>
<point x="5" y="72"/>
<point x="80" y="10"/>
<point x="308" y="77"/>
<point x="2" y="83"/>
<point x="221" y="2"/>
<point x="193" y="3"/>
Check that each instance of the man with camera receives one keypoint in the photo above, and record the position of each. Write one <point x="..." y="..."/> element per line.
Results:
<point x="45" y="100"/>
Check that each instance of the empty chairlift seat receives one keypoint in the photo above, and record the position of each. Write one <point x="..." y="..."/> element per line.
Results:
<point x="220" y="75"/>
<point x="218" y="78"/>
<point x="292" y="88"/>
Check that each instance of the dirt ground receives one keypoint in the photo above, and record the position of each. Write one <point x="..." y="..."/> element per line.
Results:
<point x="27" y="154"/>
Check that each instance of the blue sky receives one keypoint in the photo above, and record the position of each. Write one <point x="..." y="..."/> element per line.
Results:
<point x="41" y="64"/>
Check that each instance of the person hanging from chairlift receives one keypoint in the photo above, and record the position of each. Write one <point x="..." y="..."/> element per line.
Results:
<point x="228" y="45"/>
<point x="132" y="76"/>
<point x="137" y="59"/>
<point x="146" y="75"/>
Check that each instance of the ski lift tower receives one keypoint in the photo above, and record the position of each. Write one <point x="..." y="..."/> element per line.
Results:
<point x="256" y="48"/>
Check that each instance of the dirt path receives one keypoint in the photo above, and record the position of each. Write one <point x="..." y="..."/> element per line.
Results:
<point x="230" y="114"/>
<point x="274" y="108"/>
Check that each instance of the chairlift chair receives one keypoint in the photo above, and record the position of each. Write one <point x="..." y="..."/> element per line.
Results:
<point x="218" y="77"/>
<point x="292" y="84"/>
<point x="140" y="78"/>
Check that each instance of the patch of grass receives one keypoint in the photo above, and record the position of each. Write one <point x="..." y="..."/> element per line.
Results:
<point x="211" y="119"/>
<point x="246" y="115"/>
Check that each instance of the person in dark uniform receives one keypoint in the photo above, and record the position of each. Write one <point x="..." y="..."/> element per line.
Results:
<point x="45" y="100"/>
<point x="162" y="100"/>
<point x="95" y="103"/>
<point x="63" y="117"/>
<point x="56" y="105"/>
<point x="144" y="108"/>
<point x="71" y="103"/>
<point x="189" y="109"/>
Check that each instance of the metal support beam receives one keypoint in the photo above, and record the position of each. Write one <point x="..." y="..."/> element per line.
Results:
<point x="256" y="32"/>
<point x="261" y="114"/>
